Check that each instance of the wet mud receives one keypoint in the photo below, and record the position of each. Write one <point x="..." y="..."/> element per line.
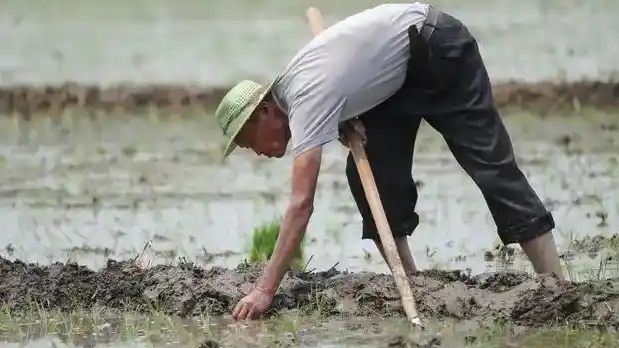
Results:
<point x="29" y="100"/>
<point x="186" y="290"/>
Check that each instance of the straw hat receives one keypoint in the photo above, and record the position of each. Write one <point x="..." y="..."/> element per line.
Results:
<point x="236" y="107"/>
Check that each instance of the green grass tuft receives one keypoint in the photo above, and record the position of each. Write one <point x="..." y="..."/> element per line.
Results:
<point x="263" y="240"/>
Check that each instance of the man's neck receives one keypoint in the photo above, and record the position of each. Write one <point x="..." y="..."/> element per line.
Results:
<point x="280" y="103"/>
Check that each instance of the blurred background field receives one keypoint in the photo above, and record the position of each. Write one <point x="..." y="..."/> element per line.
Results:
<point x="94" y="182"/>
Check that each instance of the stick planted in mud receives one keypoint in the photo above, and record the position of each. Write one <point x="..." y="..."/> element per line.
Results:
<point x="138" y="259"/>
<point x="371" y="192"/>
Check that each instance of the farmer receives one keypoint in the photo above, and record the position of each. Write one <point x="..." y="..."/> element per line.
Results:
<point x="383" y="70"/>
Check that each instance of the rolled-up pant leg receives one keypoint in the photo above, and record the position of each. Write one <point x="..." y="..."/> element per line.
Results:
<point x="390" y="145"/>
<point x="481" y="145"/>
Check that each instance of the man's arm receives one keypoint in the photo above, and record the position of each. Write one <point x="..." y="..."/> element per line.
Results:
<point x="304" y="177"/>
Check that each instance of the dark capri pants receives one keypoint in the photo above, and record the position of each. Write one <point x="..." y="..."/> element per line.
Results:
<point x="447" y="85"/>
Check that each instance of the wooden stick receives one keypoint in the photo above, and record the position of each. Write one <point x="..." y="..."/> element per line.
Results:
<point x="138" y="259"/>
<point x="371" y="193"/>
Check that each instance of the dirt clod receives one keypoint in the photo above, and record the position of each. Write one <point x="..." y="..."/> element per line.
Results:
<point x="188" y="290"/>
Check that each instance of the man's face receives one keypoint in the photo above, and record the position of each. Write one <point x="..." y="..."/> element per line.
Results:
<point x="266" y="132"/>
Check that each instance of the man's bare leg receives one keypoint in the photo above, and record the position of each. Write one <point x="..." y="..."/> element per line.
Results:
<point x="542" y="252"/>
<point x="405" y="254"/>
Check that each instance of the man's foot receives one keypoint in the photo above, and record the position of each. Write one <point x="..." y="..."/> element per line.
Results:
<point x="542" y="252"/>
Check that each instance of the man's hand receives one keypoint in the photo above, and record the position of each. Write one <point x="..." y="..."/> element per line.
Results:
<point x="357" y="126"/>
<point x="304" y="177"/>
<point x="253" y="305"/>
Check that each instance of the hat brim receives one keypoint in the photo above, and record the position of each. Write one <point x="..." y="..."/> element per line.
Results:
<point x="230" y="144"/>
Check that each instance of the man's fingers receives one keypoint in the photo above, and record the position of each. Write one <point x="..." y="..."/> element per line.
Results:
<point x="237" y="310"/>
<point x="362" y="133"/>
<point x="357" y="127"/>
<point x="360" y="129"/>
<point x="243" y="311"/>
<point x="252" y="313"/>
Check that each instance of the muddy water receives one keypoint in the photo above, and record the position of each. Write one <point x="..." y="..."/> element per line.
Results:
<point x="286" y="331"/>
<point x="105" y="186"/>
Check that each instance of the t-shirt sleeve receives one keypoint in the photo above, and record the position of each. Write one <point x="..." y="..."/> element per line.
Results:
<point x="314" y="118"/>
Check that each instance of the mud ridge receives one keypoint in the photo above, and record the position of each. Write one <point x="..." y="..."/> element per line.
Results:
<point x="28" y="100"/>
<point x="187" y="290"/>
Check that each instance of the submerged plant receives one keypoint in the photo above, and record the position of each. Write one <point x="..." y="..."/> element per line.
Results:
<point x="263" y="240"/>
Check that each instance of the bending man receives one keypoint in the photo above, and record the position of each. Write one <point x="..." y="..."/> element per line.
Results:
<point x="383" y="70"/>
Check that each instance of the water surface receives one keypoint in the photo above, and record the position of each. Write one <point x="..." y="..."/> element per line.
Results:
<point x="108" y="185"/>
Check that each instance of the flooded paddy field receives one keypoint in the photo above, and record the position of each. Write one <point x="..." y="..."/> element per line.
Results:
<point x="84" y="188"/>
<point x="90" y="172"/>
<point x="94" y="187"/>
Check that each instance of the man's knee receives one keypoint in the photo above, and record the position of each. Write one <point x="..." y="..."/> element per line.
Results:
<point x="398" y="195"/>
<point x="399" y="228"/>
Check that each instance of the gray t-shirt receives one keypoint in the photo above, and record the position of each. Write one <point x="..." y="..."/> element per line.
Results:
<point x="346" y="70"/>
